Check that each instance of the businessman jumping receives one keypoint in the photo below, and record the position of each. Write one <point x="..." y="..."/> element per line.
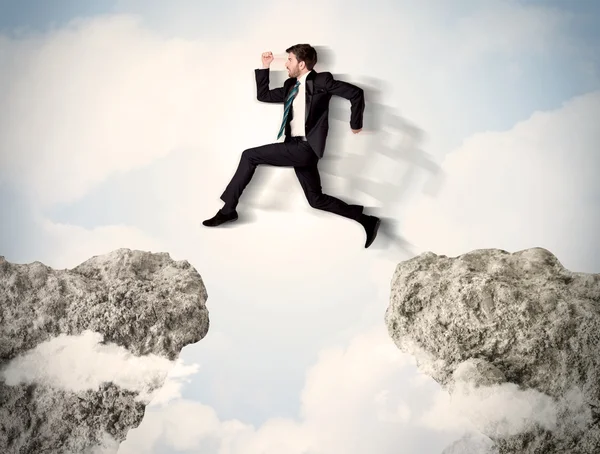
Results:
<point x="305" y="95"/>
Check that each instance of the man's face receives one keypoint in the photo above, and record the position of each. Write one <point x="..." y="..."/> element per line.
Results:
<point x="293" y="66"/>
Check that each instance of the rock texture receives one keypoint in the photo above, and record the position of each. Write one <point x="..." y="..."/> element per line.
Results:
<point x="144" y="302"/>
<point x="518" y="328"/>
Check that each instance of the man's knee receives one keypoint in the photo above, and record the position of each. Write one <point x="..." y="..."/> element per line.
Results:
<point x="317" y="201"/>
<point x="247" y="153"/>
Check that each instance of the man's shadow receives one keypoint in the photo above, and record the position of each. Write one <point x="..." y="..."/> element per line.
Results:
<point x="382" y="163"/>
<point x="389" y="163"/>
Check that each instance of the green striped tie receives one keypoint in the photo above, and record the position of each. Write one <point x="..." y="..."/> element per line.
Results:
<point x="288" y="104"/>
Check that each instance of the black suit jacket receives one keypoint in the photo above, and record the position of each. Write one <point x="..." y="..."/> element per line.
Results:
<point x="319" y="89"/>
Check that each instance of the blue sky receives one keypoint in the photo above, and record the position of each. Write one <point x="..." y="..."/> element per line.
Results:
<point x="126" y="146"/>
<point x="40" y="15"/>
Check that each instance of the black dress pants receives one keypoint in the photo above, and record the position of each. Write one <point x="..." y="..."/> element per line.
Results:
<point x="294" y="153"/>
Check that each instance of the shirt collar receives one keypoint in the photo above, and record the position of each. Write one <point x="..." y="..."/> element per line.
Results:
<point x="303" y="77"/>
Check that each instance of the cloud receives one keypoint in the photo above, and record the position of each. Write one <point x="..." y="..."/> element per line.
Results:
<point x="179" y="374"/>
<point x="75" y="244"/>
<point x="102" y="95"/>
<point x="359" y="397"/>
<point x="500" y="410"/>
<point x="363" y="396"/>
<point x="78" y="363"/>
<point x="533" y="185"/>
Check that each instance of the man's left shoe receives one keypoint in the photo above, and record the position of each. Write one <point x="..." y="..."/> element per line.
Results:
<point x="371" y="225"/>
<point x="220" y="218"/>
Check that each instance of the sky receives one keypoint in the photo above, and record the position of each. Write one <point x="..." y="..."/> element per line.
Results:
<point x="121" y="122"/>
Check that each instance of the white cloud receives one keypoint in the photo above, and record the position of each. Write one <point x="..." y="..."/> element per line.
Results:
<point x="179" y="374"/>
<point x="499" y="410"/>
<point x="534" y="185"/>
<point x="72" y="244"/>
<point x="100" y="96"/>
<point x="365" y="395"/>
<point x="78" y="363"/>
<point x="355" y="398"/>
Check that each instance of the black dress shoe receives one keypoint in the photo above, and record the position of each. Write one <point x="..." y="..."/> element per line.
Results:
<point x="220" y="218"/>
<point x="371" y="225"/>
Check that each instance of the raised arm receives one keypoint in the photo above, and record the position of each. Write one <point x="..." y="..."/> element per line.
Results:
<point x="352" y="93"/>
<point x="262" y="88"/>
<point x="262" y="82"/>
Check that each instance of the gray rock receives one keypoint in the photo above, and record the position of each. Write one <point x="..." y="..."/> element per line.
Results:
<point x="518" y="330"/>
<point x="144" y="302"/>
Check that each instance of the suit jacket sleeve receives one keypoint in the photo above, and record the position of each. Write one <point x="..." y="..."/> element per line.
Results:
<point x="351" y="92"/>
<point x="262" y="88"/>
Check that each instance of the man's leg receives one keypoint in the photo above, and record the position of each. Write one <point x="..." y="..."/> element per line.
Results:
<point x="286" y="154"/>
<point x="310" y="181"/>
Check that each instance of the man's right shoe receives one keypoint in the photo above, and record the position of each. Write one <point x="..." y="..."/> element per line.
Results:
<point x="220" y="218"/>
<point x="371" y="225"/>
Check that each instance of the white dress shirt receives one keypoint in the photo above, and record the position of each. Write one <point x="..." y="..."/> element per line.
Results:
<point x="299" y="109"/>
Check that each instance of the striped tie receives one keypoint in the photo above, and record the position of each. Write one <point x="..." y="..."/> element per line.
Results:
<point x="288" y="104"/>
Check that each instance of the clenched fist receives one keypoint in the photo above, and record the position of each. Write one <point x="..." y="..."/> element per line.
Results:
<point x="267" y="58"/>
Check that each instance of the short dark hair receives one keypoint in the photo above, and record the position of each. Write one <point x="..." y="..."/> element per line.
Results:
<point x="305" y="53"/>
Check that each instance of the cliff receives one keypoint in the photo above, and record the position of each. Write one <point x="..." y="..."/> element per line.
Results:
<point x="513" y="337"/>
<point x="134" y="307"/>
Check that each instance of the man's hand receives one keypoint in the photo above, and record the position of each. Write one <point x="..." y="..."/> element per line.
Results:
<point x="356" y="131"/>
<point x="267" y="58"/>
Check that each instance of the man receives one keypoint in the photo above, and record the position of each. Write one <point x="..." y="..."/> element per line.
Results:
<point x="305" y="96"/>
